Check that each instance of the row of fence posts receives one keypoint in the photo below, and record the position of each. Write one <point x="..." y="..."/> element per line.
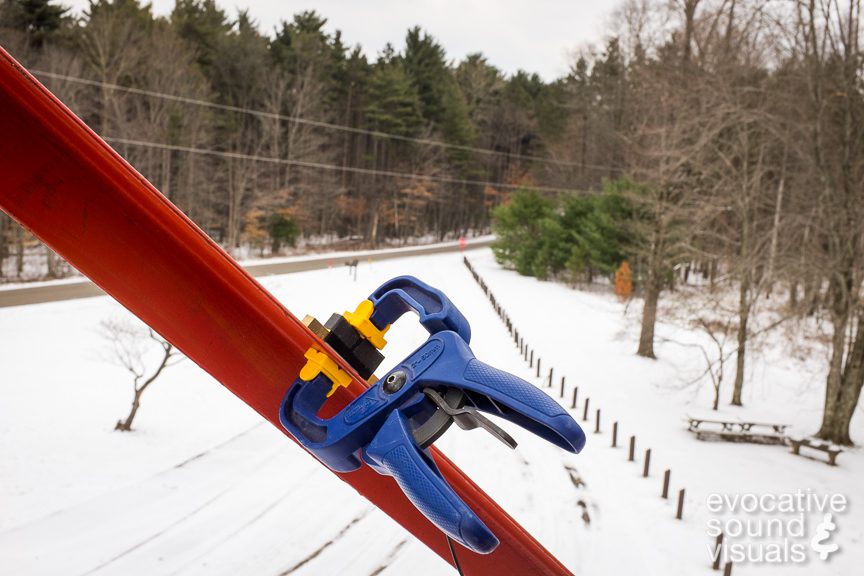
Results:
<point x="528" y="356"/>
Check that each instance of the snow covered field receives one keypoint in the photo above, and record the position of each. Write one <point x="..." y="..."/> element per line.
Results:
<point x="204" y="487"/>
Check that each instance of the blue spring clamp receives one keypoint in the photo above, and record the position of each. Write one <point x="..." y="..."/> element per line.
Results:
<point x="390" y="426"/>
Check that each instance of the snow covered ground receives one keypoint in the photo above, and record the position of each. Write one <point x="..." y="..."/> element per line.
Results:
<point x="204" y="487"/>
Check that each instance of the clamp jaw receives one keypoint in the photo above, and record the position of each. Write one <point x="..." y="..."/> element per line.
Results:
<point x="390" y="425"/>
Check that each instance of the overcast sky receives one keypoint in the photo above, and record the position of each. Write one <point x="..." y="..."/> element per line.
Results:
<point x="534" y="35"/>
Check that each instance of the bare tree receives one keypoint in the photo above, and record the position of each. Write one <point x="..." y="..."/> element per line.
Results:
<point x="715" y="354"/>
<point x="132" y="348"/>
<point x="830" y="53"/>
<point x="667" y="143"/>
<point x="715" y="361"/>
<point x="112" y="47"/>
<point x="744" y="162"/>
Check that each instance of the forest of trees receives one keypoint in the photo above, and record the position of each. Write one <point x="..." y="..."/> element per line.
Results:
<point x="714" y="137"/>
<point x="737" y="128"/>
<point x="247" y="131"/>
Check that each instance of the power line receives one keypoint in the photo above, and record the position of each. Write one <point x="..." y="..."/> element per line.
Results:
<point x="315" y="123"/>
<point x="332" y="167"/>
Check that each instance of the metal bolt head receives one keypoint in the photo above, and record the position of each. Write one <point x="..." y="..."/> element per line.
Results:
<point x="394" y="382"/>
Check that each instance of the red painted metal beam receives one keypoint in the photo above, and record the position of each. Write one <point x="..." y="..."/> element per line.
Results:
<point x="66" y="185"/>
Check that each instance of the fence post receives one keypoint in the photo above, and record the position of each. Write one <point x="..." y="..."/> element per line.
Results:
<point x="597" y="422"/>
<point x="666" y="476"/>
<point x="647" y="463"/>
<point x="615" y="435"/>
<point x="575" y="394"/>
<point x="561" y="395"/>
<point x="717" y="546"/>
<point x="585" y="412"/>
<point x="632" y="454"/>
<point x="680" y="512"/>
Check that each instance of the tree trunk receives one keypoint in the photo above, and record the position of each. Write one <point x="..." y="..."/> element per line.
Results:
<point x="712" y="274"/>
<point x="741" y="353"/>
<point x="717" y="378"/>
<point x="812" y="293"/>
<point x="775" y="232"/>
<point x="649" y="318"/>
<point x="237" y="188"/>
<point x="126" y="425"/>
<point x="843" y="388"/>
<point x="4" y="247"/>
<point x="653" y="286"/>
<point x="51" y="263"/>
<point x="689" y="17"/>
<point x="834" y="380"/>
<point x="373" y="225"/>
<point x="853" y="380"/>
<point x="19" y="254"/>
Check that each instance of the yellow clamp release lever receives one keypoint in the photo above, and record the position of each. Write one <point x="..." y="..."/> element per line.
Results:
<point x="360" y="319"/>
<point x="318" y="362"/>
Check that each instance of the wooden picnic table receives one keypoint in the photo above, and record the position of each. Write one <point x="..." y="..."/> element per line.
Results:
<point x="731" y="425"/>
<point x="737" y="430"/>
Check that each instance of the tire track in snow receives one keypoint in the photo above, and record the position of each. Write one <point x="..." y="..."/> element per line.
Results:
<point x="183" y="518"/>
<point x="216" y="447"/>
<point x="326" y="545"/>
<point x="269" y="509"/>
<point x="389" y="559"/>
<point x="153" y="476"/>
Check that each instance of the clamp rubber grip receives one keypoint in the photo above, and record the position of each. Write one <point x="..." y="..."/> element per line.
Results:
<point x="393" y="453"/>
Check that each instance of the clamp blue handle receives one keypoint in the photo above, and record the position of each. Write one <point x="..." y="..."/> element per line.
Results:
<point x="393" y="453"/>
<point x="376" y="427"/>
<point x="405" y="293"/>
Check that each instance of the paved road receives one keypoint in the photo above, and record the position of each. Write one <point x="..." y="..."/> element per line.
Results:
<point x="51" y="292"/>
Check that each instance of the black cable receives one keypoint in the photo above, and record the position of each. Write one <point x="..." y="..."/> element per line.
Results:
<point x="316" y="123"/>
<point x="332" y="167"/>
<point x="453" y="554"/>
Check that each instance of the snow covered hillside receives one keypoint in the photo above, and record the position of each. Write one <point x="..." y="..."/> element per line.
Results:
<point x="202" y="486"/>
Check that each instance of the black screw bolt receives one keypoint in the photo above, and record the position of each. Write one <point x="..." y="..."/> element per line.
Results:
<point x="394" y="382"/>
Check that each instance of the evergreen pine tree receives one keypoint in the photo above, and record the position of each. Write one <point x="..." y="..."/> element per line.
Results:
<point x="38" y="19"/>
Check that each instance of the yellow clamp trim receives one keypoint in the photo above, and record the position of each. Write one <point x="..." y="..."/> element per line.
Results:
<point x="318" y="362"/>
<point x="360" y="320"/>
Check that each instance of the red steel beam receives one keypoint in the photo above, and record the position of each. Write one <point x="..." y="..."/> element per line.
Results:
<point x="73" y="191"/>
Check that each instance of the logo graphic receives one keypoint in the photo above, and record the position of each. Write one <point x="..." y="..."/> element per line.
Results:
<point x="779" y="528"/>
<point x="823" y="533"/>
